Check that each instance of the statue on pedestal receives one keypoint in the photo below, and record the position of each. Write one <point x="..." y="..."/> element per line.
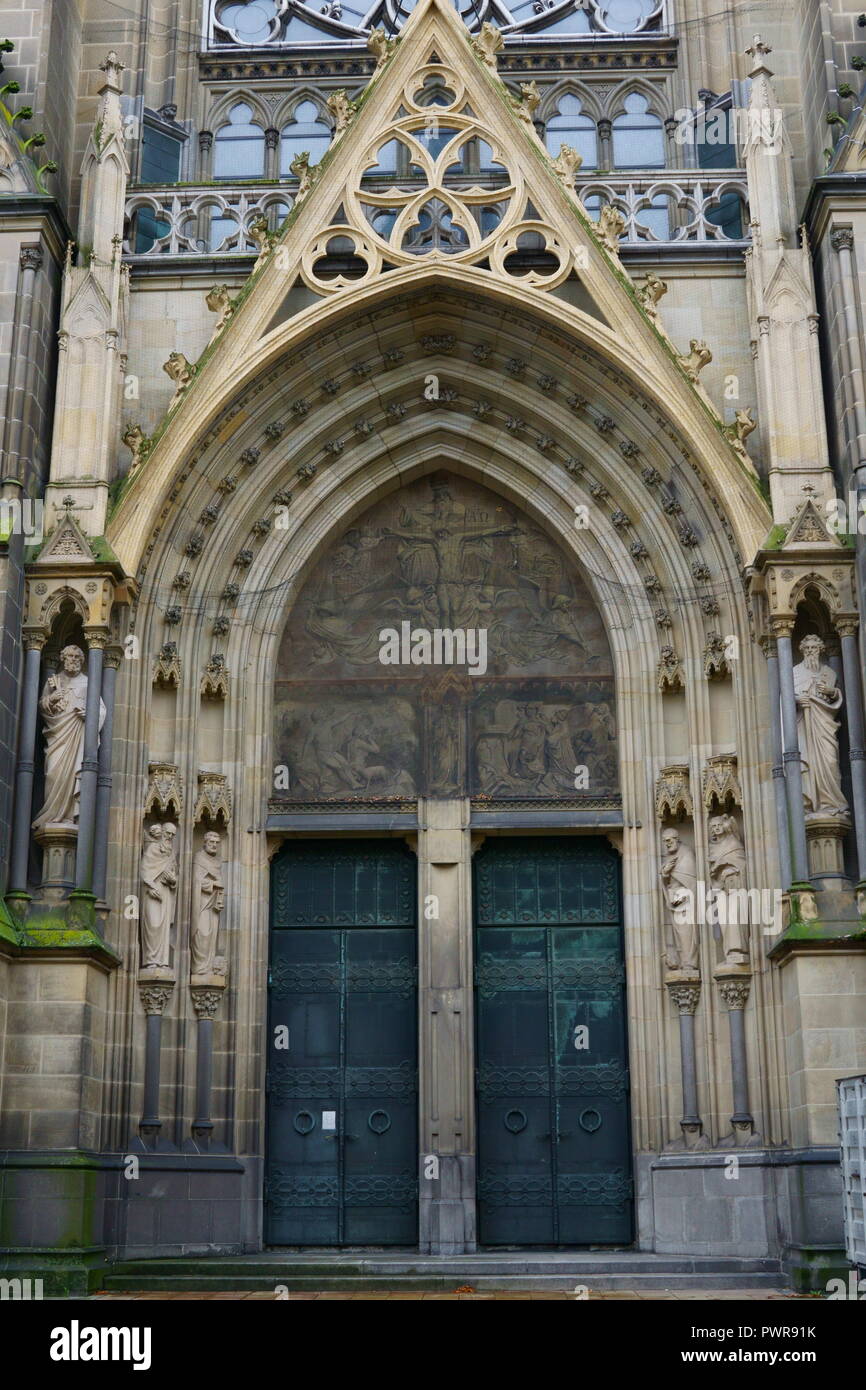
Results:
<point x="63" y="706"/>
<point x="159" y="874"/>
<point x="207" y="904"/>
<point x="679" y="882"/>
<point x="818" y="699"/>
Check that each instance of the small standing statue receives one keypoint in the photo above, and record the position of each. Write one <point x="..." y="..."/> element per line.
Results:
<point x="726" y="857"/>
<point x="679" y="882"/>
<point x="818" y="700"/>
<point x="207" y="904"/>
<point x="159" y="892"/>
<point x="63" y="706"/>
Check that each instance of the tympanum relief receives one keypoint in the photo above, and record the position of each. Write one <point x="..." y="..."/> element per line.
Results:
<point x="445" y="646"/>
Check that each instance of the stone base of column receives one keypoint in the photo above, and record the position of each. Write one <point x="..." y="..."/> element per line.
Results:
<point x="58" y="843"/>
<point x="825" y="835"/>
<point x="447" y="1205"/>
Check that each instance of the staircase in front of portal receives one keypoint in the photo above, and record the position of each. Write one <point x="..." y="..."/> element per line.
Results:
<point x="404" y="1271"/>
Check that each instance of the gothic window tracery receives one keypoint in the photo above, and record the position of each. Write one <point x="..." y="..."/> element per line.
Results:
<point x="638" y="136"/>
<point x="284" y="23"/>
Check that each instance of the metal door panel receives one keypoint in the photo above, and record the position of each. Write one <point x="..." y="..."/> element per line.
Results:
<point x="554" y="1132"/>
<point x="342" y="1100"/>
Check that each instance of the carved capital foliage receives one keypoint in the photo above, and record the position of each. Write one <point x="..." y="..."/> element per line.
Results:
<point x="155" y="996"/>
<point x="214" y="800"/>
<point x="673" y="796"/>
<point x="715" y="659"/>
<point x="719" y="782"/>
<point x="686" y="995"/>
<point x="205" y="1001"/>
<point x="734" y="990"/>
<point x="164" y="790"/>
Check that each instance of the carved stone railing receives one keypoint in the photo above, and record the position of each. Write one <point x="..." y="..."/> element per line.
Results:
<point x="680" y="207"/>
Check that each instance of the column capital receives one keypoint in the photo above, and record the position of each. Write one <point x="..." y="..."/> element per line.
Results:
<point x="767" y="644"/>
<point x="685" y="994"/>
<point x="842" y="239"/>
<point x="205" y="140"/>
<point x="34" y="638"/>
<point x="97" y="638"/>
<point x="113" y="657"/>
<point x="30" y="257"/>
<point x="155" y="996"/>
<point x="847" y="627"/>
<point x="782" y="627"/>
<point x="205" y="1001"/>
<point x="734" y="989"/>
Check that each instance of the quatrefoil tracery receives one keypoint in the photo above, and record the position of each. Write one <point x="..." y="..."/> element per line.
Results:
<point x="440" y="207"/>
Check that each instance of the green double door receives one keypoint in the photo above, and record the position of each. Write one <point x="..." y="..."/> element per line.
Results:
<point x="552" y="1083"/>
<point x="342" y="1049"/>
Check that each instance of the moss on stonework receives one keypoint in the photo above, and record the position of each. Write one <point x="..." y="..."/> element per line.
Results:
<point x="776" y="537"/>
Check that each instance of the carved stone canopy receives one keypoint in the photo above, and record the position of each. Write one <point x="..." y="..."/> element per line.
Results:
<point x="164" y="790"/>
<point x="720" y="784"/>
<point x="214" y="800"/>
<point x="673" y="796"/>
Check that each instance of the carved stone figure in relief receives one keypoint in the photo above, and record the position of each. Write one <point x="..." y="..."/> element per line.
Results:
<point x="159" y="874"/>
<point x="679" y="882"/>
<point x="818" y="700"/>
<point x="63" y="706"/>
<point x="207" y="904"/>
<point x="727" y="864"/>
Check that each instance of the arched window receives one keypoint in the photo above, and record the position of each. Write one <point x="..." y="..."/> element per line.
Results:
<point x="638" y="138"/>
<point x="305" y="131"/>
<point x="570" y="127"/>
<point x="239" y="147"/>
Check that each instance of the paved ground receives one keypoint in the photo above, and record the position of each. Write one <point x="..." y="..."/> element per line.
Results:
<point x="681" y="1294"/>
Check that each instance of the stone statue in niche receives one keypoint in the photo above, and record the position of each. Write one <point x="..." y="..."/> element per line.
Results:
<point x="727" y="863"/>
<point x="207" y="904"/>
<point x="159" y="873"/>
<point x="63" y="706"/>
<point x="818" y="700"/>
<point x="679" y="883"/>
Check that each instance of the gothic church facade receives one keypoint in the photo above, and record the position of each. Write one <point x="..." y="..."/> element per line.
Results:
<point x="432" y="769"/>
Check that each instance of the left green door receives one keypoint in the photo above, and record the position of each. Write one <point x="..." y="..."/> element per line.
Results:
<point x="342" y="1090"/>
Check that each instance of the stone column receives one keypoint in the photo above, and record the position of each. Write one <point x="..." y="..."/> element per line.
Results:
<point x="272" y="156"/>
<point x="605" y="156"/>
<point x="734" y="985"/>
<point x="155" y="990"/>
<point x="854" y="377"/>
<point x="24" y="363"/>
<point x="33" y="642"/>
<point x="446" y="1080"/>
<point x="856" y="737"/>
<point x="685" y="994"/>
<point x="205" y="1001"/>
<point x="96" y="642"/>
<point x="791" y="757"/>
<point x="783" y="833"/>
<point x="113" y="657"/>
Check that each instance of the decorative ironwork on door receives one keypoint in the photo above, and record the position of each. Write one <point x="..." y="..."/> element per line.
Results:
<point x="342" y="1089"/>
<point x="553" y="1123"/>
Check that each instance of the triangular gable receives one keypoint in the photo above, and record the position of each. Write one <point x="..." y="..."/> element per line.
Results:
<point x="67" y="542"/>
<point x="810" y="528"/>
<point x="334" y="215"/>
<point x="536" y="206"/>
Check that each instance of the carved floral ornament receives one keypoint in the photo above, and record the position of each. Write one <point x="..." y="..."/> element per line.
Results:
<point x="490" y="219"/>
<point x="673" y="796"/>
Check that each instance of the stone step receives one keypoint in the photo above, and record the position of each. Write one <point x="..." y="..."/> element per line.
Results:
<point x="557" y="1271"/>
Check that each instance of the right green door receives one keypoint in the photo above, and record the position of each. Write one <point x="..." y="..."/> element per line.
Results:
<point x="554" y="1150"/>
